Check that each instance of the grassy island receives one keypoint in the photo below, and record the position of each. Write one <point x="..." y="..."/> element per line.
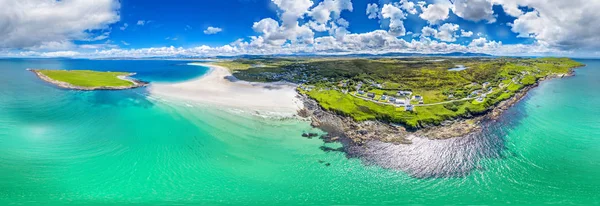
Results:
<point x="88" y="80"/>
<point x="414" y="92"/>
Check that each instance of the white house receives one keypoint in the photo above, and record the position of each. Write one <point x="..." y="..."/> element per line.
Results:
<point x="400" y="101"/>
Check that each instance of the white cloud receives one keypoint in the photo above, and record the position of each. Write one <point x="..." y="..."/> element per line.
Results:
<point x="60" y="54"/>
<point x="329" y="9"/>
<point x="479" y="42"/>
<point x="474" y="10"/>
<point x="447" y="32"/>
<point x="408" y="6"/>
<point x="435" y="13"/>
<point x="428" y="31"/>
<point x="464" y="33"/>
<point x="372" y="11"/>
<point x="568" y="25"/>
<point x="36" y="24"/>
<point x="552" y="24"/>
<point x="271" y="32"/>
<point x="212" y="30"/>
<point x="396" y="17"/>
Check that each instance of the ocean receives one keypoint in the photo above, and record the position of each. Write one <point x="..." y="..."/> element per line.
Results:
<point x="61" y="147"/>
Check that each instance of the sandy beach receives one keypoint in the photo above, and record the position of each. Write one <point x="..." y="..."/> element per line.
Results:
<point x="218" y="87"/>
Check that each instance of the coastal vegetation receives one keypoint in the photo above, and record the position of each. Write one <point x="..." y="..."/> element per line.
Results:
<point x="415" y="92"/>
<point x="88" y="80"/>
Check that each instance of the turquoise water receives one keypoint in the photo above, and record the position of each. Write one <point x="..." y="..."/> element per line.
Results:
<point x="116" y="147"/>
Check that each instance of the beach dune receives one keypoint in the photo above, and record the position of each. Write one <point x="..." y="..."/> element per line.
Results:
<point x="218" y="87"/>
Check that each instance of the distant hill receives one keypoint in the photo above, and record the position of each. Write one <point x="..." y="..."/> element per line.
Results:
<point x="391" y="54"/>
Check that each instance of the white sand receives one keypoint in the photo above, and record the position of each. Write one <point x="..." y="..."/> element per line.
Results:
<point x="214" y="88"/>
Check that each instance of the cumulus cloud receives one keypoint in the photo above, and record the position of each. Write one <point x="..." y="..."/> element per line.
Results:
<point x="408" y="6"/>
<point x="329" y="9"/>
<point x="447" y="32"/>
<point x="435" y="13"/>
<point x="566" y="25"/>
<point x="372" y="11"/>
<point x="38" y="24"/>
<point x="396" y="17"/>
<point x="464" y="33"/>
<point x="551" y="23"/>
<point x="212" y="30"/>
<point x="474" y="10"/>
<point x="479" y="42"/>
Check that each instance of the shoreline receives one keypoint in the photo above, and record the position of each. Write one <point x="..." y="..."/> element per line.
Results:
<point x="358" y="133"/>
<point x="65" y="85"/>
<point x="218" y="87"/>
<point x="417" y="152"/>
<point x="374" y="130"/>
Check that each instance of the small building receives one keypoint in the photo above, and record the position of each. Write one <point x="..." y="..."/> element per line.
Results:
<point x="450" y="96"/>
<point x="404" y="93"/>
<point x="361" y="92"/>
<point x="409" y="107"/>
<point x="485" y="84"/>
<point x="400" y="101"/>
<point x="476" y="92"/>
<point x="392" y="99"/>
<point x="383" y="97"/>
<point x="371" y="95"/>
<point x="421" y="102"/>
<point x="480" y="99"/>
<point x="418" y="97"/>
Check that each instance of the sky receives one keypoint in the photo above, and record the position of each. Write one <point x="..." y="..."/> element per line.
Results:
<point x="203" y="28"/>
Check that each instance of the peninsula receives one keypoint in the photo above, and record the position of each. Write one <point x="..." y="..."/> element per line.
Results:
<point x="88" y="80"/>
<point x="391" y="99"/>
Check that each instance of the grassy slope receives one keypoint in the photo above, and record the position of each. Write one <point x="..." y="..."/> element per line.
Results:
<point x="430" y="79"/>
<point x="87" y="78"/>
<point x="364" y="110"/>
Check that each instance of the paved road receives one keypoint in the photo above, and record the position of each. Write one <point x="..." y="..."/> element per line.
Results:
<point x="416" y="105"/>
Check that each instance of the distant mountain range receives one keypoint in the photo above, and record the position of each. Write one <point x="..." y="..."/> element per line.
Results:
<point x="392" y="54"/>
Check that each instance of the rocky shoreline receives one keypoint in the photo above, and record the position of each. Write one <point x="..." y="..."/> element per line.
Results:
<point x="452" y="149"/>
<point x="65" y="85"/>
<point x="346" y="130"/>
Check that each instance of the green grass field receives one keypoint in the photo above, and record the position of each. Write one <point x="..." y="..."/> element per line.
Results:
<point x="87" y="78"/>
<point x="425" y="77"/>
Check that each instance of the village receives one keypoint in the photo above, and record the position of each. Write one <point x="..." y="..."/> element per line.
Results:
<point x="404" y="98"/>
<point x="410" y="91"/>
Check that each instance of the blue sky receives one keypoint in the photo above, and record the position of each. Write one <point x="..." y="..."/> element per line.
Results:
<point x="141" y="28"/>
<point x="186" y="20"/>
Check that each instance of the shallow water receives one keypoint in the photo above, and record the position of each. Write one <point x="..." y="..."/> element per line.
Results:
<point x="114" y="147"/>
<point x="457" y="68"/>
